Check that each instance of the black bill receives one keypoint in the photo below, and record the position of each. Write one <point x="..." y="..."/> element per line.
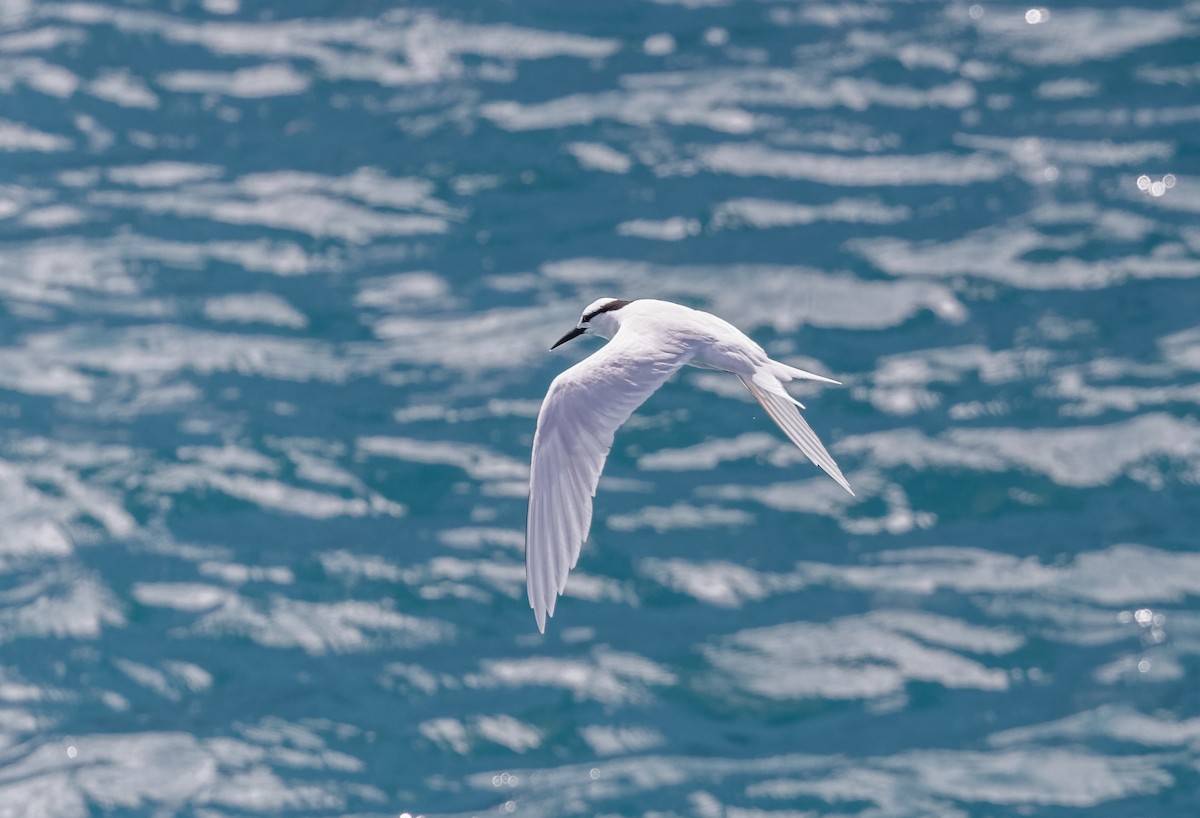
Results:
<point x="575" y="333"/>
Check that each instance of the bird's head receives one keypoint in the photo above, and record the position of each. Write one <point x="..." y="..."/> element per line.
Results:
<point x="598" y="318"/>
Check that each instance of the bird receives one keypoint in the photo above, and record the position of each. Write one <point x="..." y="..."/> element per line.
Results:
<point x="648" y="341"/>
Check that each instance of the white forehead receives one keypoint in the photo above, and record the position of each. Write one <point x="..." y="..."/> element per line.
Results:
<point x="595" y="305"/>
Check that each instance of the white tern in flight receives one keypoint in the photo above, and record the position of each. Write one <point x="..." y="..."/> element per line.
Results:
<point x="648" y="341"/>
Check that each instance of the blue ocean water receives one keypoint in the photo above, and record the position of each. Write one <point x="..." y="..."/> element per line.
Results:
<point x="276" y="286"/>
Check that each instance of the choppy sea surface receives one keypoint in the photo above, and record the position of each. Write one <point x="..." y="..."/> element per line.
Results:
<point x="276" y="286"/>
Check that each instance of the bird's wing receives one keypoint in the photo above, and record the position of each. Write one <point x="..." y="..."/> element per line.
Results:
<point x="784" y="411"/>
<point x="582" y="411"/>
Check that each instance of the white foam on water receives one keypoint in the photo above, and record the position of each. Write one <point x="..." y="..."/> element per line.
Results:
<point x="676" y="228"/>
<point x="816" y="495"/>
<point x="782" y="297"/>
<point x="163" y="174"/>
<point x="751" y="159"/>
<point x="720" y="99"/>
<point x="316" y="461"/>
<point x="279" y="258"/>
<point x="189" y="675"/>
<point x="256" y="82"/>
<point x="479" y="462"/>
<point x="605" y="676"/>
<point x="521" y="43"/>
<point x="509" y="732"/>
<point x="1034" y="776"/>
<point x="710" y="454"/>
<point x="271" y="495"/>
<point x="235" y="573"/>
<point x="455" y="577"/>
<point x="59" y="604"/>
<point x="492" y="339"/>
<point x="48" y="509"/>
<point x="54" y="217"/>
<point x="476" y="538"/>
<point x="939" y="781"/>
<point x="927" y="782"/>
<point x="42" y="38"/>
<point x="317" y="628"/>
<point x="1183" y="197"/>
<point x="926" y="570"/>
<point x="639" y="109"/>
<point x="1132" y="574"/>
<point x="1119" y="722"/>
<point x="21" y="373"/>
<point x="1076" y="456"/>
<point x="105" y="266"/>
<point x="1103" y="154"/>
<point x="44" y="77"/>
<point x="717" y="582"/>
<point x="858" y="657"/>
<point x="1119" y="575"/>
<point x="16" y="137"/>
<point x="268" y="773"/>
<point x="401" y="47"/>
<point x="678" y="516"/>
<point x="614" y="740"/>
<point x="164" y="682"/>
<point x="950" y="364"/>
<point x="62" y="272"/>
<point x="254" y="308"/>
<point x="492" y="409"/>
<point x="404" y="292"/>
<point x="448" y="733"/>
<point x="23" y="539"/>
<point x="369" y="185"/>
<point x="152" y="352"/>
<point x="409" y="677"/>
<point x="765" y="214"/>
<point x="181" y="596"/>
<point x="1182" y="349"/>
<point x="1004" y="254"/>
<point x="127" y="771"/>
<point x="351" y="567"/>
<point x="901" y="383"/>
<point x="835" y="15"/>
<point x="229" y="457"/>
<point x="316" y="215"/>
<point x="1076" y="36"/>
<point x="248" y="475"/>
<point x="122" y="87"/>
<point x="363" y="205"/>
<point x="598" y="156"/>
<point x="1067" y="88"/>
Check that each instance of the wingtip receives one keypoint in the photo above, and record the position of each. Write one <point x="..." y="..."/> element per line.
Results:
<point x="840" y="479"/>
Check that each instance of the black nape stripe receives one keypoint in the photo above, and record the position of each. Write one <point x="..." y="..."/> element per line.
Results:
<point x="615" y="304"/>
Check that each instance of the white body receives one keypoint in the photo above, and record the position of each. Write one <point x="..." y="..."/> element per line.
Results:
<point x="586" y="404"/>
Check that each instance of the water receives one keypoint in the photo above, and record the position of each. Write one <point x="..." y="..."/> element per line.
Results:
<point x="278" y="282"/>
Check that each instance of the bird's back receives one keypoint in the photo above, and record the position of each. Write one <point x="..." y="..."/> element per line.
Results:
<point x="716" y="343"/>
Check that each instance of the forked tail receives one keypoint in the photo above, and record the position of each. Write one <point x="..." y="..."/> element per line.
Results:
<point x="790" y="373"/>
<point x="782" y="408"/>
